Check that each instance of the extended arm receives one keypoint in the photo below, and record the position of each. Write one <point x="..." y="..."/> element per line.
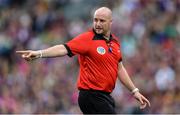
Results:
<point x="54" y="51"/>
<point x="125" y="79"/>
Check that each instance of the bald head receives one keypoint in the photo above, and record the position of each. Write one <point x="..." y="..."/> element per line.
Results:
<point x="104" y="11"/>
<point x="102" y="21"/>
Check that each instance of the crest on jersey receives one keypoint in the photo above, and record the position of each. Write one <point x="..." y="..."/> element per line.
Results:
<point x="101" y="50"/>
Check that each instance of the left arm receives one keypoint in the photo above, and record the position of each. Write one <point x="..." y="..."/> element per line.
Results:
<point x="127" y="82"/>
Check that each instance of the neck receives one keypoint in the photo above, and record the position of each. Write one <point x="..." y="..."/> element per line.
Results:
<point x="107" y="36"/>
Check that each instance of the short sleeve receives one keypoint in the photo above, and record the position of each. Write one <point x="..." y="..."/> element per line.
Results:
<point x="120" y="54"/>
<point x="120" y="59"/>
<point x="78" y="45"/>
<point x="119" y="48"/>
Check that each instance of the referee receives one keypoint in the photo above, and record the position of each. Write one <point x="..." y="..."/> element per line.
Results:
<point x="100" y="62"/>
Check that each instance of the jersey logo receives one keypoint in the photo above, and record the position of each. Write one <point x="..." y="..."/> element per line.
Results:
<point x="101" y="50"/>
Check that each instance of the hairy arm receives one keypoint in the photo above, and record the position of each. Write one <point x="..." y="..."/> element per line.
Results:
<point x="125" y="79"/>
<point x="54" y="51"/>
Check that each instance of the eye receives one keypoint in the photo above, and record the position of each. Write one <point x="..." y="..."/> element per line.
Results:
<point x="101" y="20"/>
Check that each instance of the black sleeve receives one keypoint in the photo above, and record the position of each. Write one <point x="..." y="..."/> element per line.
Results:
<point x="120" y="59"/>
<point x="70" y="54"/>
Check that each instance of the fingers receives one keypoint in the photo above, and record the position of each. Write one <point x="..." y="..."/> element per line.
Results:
<point x="144" y="102"/>
<point x="22" y="52"/>
<point x="141" y="101"/>
<point x="147" y="101"/>
<point x="27" y="54"/>
<point x="142" y="106"/>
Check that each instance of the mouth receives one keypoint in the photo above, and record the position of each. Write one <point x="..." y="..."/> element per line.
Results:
<point x="98" y="29"/>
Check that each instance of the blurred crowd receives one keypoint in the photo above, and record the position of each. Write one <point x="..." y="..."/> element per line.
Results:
<point x="147" y="29"/>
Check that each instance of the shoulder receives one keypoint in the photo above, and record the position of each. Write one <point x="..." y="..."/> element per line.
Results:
<point x="86" y="35"/>
<point x="116" y="39"/>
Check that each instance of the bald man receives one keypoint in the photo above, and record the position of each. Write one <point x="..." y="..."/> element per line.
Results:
<point x="100" y="62"/>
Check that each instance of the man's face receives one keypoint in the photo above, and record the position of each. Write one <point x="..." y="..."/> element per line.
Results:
<point x="102" y="23"/>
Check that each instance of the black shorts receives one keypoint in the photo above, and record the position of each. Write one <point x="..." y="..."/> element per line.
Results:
<point x="92" y="101"/>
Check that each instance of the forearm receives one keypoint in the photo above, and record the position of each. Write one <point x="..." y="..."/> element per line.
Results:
<point x="55" y="51"/>
<point x="124" y="78"/>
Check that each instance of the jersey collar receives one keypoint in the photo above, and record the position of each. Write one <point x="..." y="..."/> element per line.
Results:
<point x="101" y="37"/>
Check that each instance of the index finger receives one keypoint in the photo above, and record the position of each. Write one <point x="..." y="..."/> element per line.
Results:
<point x="141" y="101"/>
<point x="147" y="101"/>
<point x="21" y="52"/>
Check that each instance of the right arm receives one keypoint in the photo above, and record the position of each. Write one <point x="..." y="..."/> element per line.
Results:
<point x="54" y="51"/>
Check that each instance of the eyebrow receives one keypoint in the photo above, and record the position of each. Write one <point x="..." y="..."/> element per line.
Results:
<point x="99" y="19"/>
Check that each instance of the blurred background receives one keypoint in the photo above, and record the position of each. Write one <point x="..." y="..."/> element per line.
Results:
<point x="147" y="29"/>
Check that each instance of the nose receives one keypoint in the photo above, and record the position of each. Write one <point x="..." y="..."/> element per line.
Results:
<point x="98" y="23"/>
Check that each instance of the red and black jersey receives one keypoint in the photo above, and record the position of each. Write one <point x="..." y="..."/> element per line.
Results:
<point x="98" y="60"/>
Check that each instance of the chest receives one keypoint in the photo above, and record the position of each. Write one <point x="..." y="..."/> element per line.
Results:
<point x="102" y="51"/>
